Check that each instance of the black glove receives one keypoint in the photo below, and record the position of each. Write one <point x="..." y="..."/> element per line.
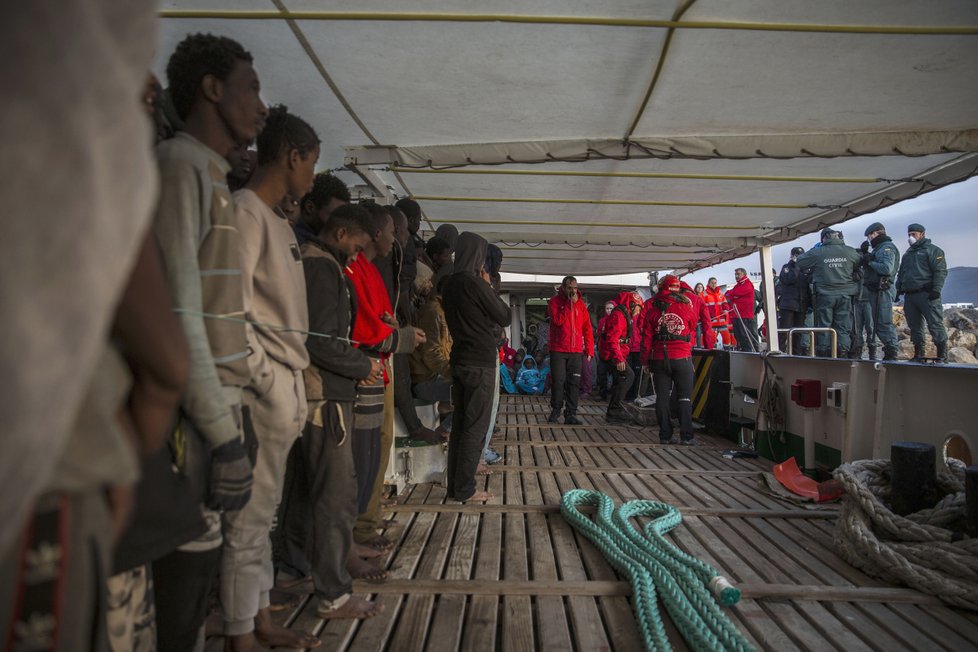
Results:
<point x="231" y="479"/>
<point x="864" y="247"/>
<point x="867" y="258"/>
<point x="933" y="295"/>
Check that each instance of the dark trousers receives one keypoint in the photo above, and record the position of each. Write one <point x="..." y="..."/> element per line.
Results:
<point x="622" y="380"/>
<point x="328" y="456"/>
<point x="366" y="461"/>
<point x="919" y="309"/>
<point x="403" y="399"/>
<point x="601" y="380"/>
<point x="666" y="375"/>
<point x="472" y="389"/>
<point x="182" y="582"/>
<point x="435" y="390"/>
<point x="881" y="304"/>
<point x="745" y="330"/>
<point x="792" y="319"/>
<point x="635" y="364"/>
<point x="290" y="537"/>
<point x="835" y="312"/>
<point x="566" y="384"/>
<point x="864" y="327"/>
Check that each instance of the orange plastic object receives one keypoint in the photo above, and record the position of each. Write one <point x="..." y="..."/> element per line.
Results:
<point x="791" y="477"/>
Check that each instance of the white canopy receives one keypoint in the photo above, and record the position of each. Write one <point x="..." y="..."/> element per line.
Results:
<point x="625" y="135"/>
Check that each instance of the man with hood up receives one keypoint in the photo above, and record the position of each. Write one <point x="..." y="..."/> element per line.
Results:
<point x="473" y="312"/>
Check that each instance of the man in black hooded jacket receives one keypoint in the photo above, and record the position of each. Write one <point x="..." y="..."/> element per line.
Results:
<point x="473" y="313"/>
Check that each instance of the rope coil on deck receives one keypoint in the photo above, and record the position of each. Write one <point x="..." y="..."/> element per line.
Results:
<point x="656" y="568"/>
<point x="925" y="550"/>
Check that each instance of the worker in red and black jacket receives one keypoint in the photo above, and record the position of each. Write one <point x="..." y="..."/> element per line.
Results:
<point x="571" y="342"/>
<point x="702" y="314"/>
<point x="668" y="336"/>
<point x="613" y="348"/>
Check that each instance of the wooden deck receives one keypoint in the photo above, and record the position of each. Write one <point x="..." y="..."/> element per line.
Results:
<point x="512" y="575"/>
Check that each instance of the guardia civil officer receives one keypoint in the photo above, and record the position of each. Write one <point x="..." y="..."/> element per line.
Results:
<point x="879" y="274"/>
<point x="794" y="298"/>
<point x="833" y="266"/>
<point x="921" y="279"/>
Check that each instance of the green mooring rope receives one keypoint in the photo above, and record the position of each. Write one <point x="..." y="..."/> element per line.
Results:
<point x="652" y="563"/>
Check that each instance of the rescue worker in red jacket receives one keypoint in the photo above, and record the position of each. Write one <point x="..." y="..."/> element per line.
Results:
<point x="667" y="344"/>
<point x="614" y="348"/>
<point x="571" y="343"/>
<point x="702" y="315"/>
<point x="742" y="298"/>
<point x="717" y="306"/>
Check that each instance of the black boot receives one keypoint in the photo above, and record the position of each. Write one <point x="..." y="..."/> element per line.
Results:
<point x="872" y="353"/>
<point x="942" y="352"/>
<point x="889" y="354"/>
<point x="856" y="355"/>
<point x="918" y="353"/>
<point x="554" y="416"/>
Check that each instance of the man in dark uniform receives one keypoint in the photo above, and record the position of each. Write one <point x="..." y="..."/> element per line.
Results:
<point x="879" y="271"/>
<point x="794" y="299"/>
<point x="922" y="274"/>
<point x="832" y="264"/>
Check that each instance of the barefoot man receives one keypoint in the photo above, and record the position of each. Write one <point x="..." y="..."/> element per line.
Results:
<point x="472" y="311"/>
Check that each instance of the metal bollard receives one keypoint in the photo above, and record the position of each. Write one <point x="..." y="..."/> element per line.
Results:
<point x="914" y="477"/>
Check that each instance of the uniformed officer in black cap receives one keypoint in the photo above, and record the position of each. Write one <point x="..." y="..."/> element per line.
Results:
<point x="794" y="300"/>
<point x="833" y="265"/>
<point x="879" y="272"/>
<point x="921" y="280"/>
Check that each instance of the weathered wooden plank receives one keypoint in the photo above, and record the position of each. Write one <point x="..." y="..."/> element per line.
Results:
<point x="412" y="627"/>
<point x="507" y="468"/>
<point x="905" y="630"/>
<point x="406" y="558"/>
<point x="479" y="630"/>
<point x="446" y="624"/>
<point x="589" y="444"/>
<point x="589" y="633"/>
<point x="551" y="617"/>
<point x="517" y="626"/>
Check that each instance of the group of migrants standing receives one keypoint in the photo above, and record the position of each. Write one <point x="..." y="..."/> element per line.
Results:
<point x="267" y="333"/>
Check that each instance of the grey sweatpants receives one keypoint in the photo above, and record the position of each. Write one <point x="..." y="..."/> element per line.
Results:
<point x="246" y="563"/>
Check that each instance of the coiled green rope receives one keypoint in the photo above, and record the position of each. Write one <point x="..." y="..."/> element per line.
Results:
<point x="654" y="565"/>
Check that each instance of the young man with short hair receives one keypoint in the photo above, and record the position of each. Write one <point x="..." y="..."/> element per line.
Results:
<point x="274" y="296"/>
<point x="331" y="388"/>
<point x="328" y="193"/>
<point x="216" y="94"/>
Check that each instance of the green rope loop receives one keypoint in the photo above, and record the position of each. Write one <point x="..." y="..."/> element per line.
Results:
<point x="654" y="566"/>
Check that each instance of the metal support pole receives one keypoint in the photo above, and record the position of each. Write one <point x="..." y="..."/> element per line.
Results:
<point x="770" y="304"/>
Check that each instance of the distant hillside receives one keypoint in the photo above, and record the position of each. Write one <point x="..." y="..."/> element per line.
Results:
<point x="961" y="285"/>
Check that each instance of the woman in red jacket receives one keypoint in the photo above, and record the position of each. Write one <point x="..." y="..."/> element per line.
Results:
<point x="613" y="348"/>
<point x="668" y="335"/>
